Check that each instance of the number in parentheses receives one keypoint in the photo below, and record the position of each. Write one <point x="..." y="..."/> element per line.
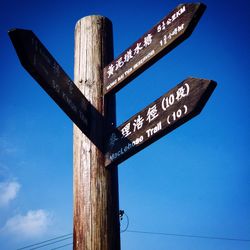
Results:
<point x="168" y="121"/>
<point x="186" y="109"/>
<point x="177" y="115"/>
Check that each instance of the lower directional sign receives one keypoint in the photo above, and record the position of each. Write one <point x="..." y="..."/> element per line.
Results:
<point x="167" y="113"/>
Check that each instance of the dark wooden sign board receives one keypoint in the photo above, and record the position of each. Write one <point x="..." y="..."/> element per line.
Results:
<point x="157" y="42"/>
<point x="171" y="110"/>
<point x="176" y="107"/>
<point x="42" y="66"/>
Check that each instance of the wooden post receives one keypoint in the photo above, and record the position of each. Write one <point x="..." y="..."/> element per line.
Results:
<point x="96" y="206"/>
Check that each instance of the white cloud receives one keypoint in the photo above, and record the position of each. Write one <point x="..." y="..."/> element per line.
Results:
<point x="33" y="224"/>
<point x="8" y="192"/>
<point x="6" y="148"/>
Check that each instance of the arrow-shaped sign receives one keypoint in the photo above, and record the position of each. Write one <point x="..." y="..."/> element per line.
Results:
<point x="167" y="113"/>
<point x="42" y="66"/>
<point x="157" y="42"/>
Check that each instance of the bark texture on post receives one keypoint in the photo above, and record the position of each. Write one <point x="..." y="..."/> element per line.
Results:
<point x="96" y="208"/>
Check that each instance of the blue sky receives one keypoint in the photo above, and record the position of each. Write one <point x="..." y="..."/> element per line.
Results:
<point x="194" y="181"/>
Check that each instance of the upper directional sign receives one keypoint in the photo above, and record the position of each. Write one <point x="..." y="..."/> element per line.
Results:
<point x="157" y="42"/>
<point x="36" y="59"/>
<point x="167" y="113"/>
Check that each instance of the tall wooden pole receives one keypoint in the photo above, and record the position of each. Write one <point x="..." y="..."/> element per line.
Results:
<point x="96" y="208"/>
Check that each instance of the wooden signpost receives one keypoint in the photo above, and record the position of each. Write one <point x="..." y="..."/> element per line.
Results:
<point x="157" y="42"/>
<point x="168" y="112"/>
<point x="97" y="141"/>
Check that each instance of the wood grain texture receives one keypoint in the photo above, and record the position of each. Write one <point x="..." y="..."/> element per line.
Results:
<point x="96" y="208"/>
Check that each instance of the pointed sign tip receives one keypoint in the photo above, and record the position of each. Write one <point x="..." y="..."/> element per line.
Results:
<point x="202" y="7"/>
<point x="11" y="32"/>
<point x="14" y="31"/>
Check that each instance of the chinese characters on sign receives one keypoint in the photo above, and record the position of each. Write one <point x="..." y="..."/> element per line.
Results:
<point x="161" y="39"/>
<point x="112" y="68"/>
<point x="168" y="112"/>
<point x="171" y="110"/>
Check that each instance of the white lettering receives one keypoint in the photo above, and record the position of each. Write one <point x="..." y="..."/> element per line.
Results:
<point x="120" y="77"/>
<point x="171" y="34"/>
<point x="112" y="84"/>
<point x="167" y="102"/>
<point x="144" y="59"/>
<point x="154" y="130"/>
<point x="177" y="115"/>
<point x="128" y="71"/>
<point x="169" y="20"/>
<point x="123" y="150"/>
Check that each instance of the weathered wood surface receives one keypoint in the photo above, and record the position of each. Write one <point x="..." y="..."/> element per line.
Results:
<point x="164" y="115"/>
<point x="96" y="208"/>
<point x="154" y="44"/>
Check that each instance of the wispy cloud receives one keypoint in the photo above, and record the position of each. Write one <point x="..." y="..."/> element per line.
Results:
<point x="8" y="192"/>
<point x="6" y="148"/>
<point x="35" y="223"/>
<point x="4" y="172"/>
